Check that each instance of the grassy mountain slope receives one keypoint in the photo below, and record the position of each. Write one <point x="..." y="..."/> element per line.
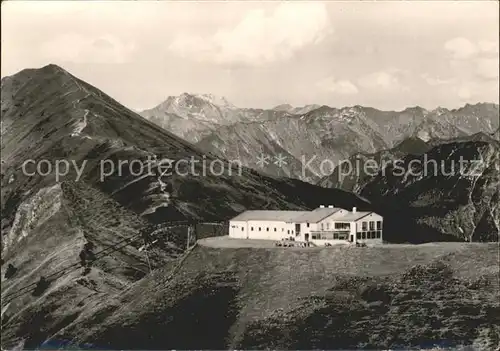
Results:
<point x="387" y="297"/>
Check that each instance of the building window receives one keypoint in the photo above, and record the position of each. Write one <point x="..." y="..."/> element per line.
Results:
<point x="379" y="234"/>
<point x="328" y="236"/>
<point x="364" y="226"/>
<point x="327" y="225"/>
<point x="251" y="228"/>
<point x="322" y="226"/>
<point x="372" y="225"/>
<point x="342" y="236"/>
<point x="379" y="225"/>
<point x="275" y="229"/>
<point x="342" y="226"/>
<point x="267" y="229"/>
<point x="335" y="236"/>
<point x="358" y="235"/>
<point x="363" y="235"/>
<point x="288" y="231"/>
<point x="241" y="228"/>
<point x="282" y="229"/>
<point x="259" y="229"/>
<point x="307" y="225"/>
<point x="313" y="236"/>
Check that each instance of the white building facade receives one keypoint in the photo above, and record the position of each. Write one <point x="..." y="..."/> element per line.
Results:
<point x="326" y="225"/>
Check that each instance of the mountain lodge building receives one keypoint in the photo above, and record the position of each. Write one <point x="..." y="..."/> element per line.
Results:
<point x="326" y="225"/>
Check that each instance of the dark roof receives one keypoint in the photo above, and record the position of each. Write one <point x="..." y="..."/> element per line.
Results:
<point x="314" y="216"/>
<point x="317" y="215"/>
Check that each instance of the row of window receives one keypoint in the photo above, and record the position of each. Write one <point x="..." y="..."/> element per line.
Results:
<point x="371" y="224"/>
<point x="369" y="235"/>
<point x="336" y="225"/>
<point x="329" y="236"/>
<point x="267" y="229"/>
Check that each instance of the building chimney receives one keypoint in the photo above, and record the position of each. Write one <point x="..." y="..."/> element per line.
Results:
<point x="354" y="210"/>
<point x="321" y="206"/>
<point x="330" y="206"/>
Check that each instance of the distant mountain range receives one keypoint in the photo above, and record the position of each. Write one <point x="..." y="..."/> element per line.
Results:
<point x="193" y="117"/>
<point x="309" y="135"/>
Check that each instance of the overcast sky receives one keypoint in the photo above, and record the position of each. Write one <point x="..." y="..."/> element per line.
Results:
<point x="388" y="55"/>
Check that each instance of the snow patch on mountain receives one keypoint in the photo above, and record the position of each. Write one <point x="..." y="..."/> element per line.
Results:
<point x="216" y="100"/>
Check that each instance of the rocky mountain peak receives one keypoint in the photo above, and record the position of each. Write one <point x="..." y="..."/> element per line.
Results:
<point x="416" y="110"/>
<point x="189" y="100"/>
<point x="217" y="100"/>
<point x="283" y="107"/>
<point x="438" y="111"/>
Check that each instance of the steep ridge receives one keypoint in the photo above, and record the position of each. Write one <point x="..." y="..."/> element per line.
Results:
<point x="70" y="218"/>
<point x="296" y="110"/>
<point x="51" y="223"/>
<point x="440" y="123"/>
<point x="54" y="115"/>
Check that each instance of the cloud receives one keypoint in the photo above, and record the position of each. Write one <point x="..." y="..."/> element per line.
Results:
<point x="473" y="91"/>
<point x="460" y="48"/>
<point x="487" y="68"/>
<point x="436" y="80"/>
<point x="345" y="87"/>
<point x="464" y="93"/>
<point x="480" y="59"/>
<point x="389" y="79"/>
<point x="72" y="47"/>
<point x="488" y="47"/>
<point x="260" y="37"/>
